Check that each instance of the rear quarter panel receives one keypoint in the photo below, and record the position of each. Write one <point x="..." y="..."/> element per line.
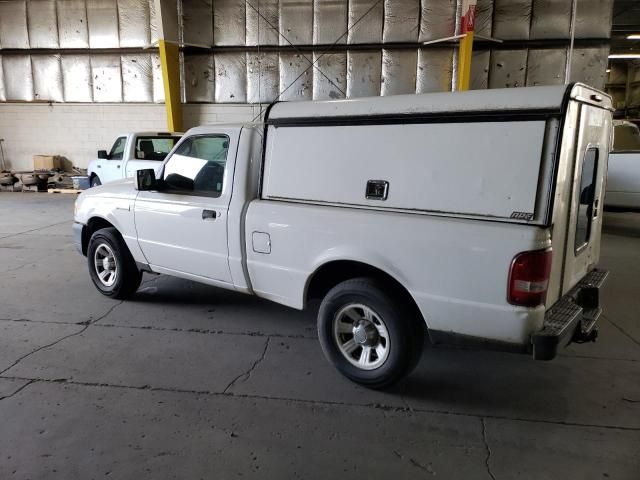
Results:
<point x="455" y="269"/>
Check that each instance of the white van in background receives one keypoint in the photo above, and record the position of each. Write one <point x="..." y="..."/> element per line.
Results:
<point x="623" y="182"/>
<point x="131" y="152"/>
<point x="474" y="216"/>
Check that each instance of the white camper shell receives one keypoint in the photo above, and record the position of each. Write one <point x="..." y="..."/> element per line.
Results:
<point x="474" y="214"/>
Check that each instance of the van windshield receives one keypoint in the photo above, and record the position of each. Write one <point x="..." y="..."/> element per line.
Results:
<point x="626" y="138"/>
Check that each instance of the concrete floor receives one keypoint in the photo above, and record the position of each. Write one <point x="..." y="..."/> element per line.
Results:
<point x="188" y="381"/>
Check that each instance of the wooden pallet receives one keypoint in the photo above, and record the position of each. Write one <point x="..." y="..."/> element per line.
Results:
<point x="63" y="190"/>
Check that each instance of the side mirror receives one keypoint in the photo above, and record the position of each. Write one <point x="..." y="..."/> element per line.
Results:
<point x="146" y="180"/>
<point x="103" y="154"/>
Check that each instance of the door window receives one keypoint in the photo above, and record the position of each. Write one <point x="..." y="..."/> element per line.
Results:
<point x="118" y="149"/>
<point x="197" y="166"/>
<point x="586" y="198"/>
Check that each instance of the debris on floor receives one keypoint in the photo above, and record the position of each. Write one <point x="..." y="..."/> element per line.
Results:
<point x="74" y="180"/>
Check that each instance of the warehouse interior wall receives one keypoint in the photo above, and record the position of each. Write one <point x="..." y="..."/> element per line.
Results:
<point x="60" y="57"/>
<point x="77" y="131"/>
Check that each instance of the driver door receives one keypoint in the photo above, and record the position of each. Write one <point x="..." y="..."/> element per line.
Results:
<point x="112" y="168"/>
<point x="183" y="228"/>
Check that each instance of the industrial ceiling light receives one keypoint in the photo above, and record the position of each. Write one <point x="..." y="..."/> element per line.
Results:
<point x="624" y="55"/>
<point x="633" y="36"/>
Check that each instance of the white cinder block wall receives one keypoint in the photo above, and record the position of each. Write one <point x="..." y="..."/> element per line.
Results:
<point x="78" y="131"/>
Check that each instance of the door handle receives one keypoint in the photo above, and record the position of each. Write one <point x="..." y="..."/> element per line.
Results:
<point x="208" y="214"/>
<point x="118" y="166"/>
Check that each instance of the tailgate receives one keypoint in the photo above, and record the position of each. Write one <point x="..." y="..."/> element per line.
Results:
<point x="582" y="247"/>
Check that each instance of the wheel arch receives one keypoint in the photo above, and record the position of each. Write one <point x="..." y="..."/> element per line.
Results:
<point x="93" y="225"/>
<point x="333" y="272"/>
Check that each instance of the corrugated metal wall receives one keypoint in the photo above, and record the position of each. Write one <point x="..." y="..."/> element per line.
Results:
<point x="260" y="50"/>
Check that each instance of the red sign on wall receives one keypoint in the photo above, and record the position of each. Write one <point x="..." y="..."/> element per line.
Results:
<point x="468" y="16"/>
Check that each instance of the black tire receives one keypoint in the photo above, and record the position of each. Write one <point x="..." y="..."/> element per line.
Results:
<point x="127" y="276"/>
<point x="95" y="181"/>
<point x="405" y="331"/>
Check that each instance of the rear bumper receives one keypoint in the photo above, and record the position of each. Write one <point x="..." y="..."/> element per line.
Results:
<point x="572" y="318"/>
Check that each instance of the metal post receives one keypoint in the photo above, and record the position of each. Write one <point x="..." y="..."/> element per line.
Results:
<point x="567" y="70"/>
<point x="170" y="61"/>
<point x="167" y="11"/>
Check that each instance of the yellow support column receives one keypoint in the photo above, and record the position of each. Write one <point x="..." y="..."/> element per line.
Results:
<point x="466" y="44"/>
<point x="464" y="61"/>
<point x="170" y="62"/>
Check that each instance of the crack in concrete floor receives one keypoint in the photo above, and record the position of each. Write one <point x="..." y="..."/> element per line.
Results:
<point x="622" y="330"/>
<point x="203" y="331"/>
<point x="487" y="460"/>
<point x="19" y="389"/>
<point x="85" y="326"/>
<point x="373" y="406"/>
<point x="245" y="375"/>
<point x="11" y="235"/>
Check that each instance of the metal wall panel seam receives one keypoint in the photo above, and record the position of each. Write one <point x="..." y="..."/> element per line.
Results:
<point x="47" y="77"/>
<point x="3" y="96"/>
<point x="26" y="21"/>
<point x="330" y="20"/>
<point x="18" y="77"/>
<point x="364" y="73"/>
<point x="134" y="19"/>
<point x="311" y="64"/>
<point x="365" y="27"/>
<point x="76" y="77"/>
<point x="42" y="26"/>
<point x="13" y="24"/>
<point x="72" y="24"/>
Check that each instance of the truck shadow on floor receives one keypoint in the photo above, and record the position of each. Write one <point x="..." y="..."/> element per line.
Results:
<point x="490" y="383"/>
<point x="451" y="380"/>
<point x="170" y="301"/>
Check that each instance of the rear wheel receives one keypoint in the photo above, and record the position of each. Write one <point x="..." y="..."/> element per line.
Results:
<point x="95" y="181"/>
<point x="369" y="335"/>
<point x="111" y="266"/>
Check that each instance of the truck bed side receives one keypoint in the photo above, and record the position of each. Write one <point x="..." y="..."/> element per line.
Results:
<point x="450" y="266"/>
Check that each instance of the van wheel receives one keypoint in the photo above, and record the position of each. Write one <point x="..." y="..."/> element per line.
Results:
<point x="111" y="266"/>
<point x="368" y="335"/>
<point x="95" y="181"/>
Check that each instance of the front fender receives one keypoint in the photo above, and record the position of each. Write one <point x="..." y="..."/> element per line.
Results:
<point x="117" y="209"/>
<point x="91" y="168"/>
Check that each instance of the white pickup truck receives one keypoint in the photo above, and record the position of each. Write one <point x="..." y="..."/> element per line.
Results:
<point x="473" y="216"/>
<point x="623" y="182"/>
<point x="131" y="152"/>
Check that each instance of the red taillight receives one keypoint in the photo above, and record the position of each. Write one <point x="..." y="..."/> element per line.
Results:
<point x="529" y="278"/>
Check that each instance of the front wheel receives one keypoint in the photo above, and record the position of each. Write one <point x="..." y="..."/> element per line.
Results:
<point x="369" y="335"/>
<point x="111" y="266"/>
